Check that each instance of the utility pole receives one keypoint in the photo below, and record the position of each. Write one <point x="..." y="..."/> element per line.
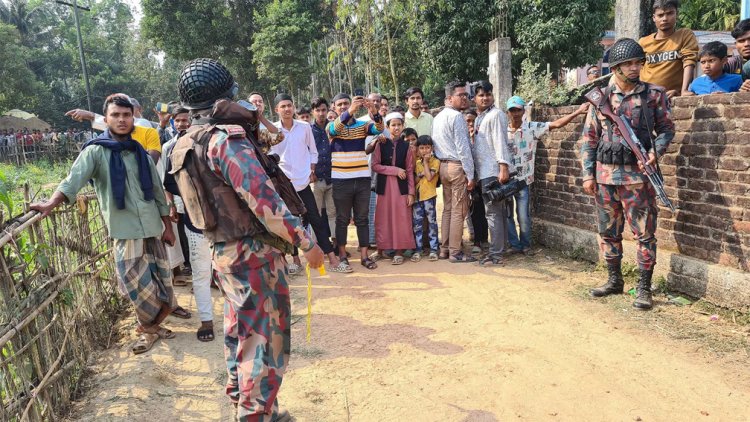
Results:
<point x="75" y="7"/>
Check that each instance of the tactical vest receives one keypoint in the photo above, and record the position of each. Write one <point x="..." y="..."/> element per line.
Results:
<point x="213" y="206"/>
<point x="641" y="120"/>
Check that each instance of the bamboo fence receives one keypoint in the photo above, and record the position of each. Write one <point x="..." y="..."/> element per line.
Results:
<point x="58" y="303"/>
<point x="20" y="154"/>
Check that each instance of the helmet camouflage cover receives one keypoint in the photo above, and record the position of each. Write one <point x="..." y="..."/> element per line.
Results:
<point x="203" y="81"/>
<point x="625" y="49"/>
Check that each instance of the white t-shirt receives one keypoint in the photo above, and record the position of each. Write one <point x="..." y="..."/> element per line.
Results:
<point x="297" y="152"/>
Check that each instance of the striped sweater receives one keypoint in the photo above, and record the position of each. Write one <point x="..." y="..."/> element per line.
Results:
<point x="348" y="157"/>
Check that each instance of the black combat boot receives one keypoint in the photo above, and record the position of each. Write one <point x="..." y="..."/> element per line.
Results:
<point x="643" y="300"/>
<point x="615" y="284"/>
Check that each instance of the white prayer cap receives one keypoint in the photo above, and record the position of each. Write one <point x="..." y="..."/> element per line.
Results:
<point x="393" y="115"/>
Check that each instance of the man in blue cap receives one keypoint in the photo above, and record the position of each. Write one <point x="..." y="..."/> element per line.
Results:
<point x="523" y="137"/>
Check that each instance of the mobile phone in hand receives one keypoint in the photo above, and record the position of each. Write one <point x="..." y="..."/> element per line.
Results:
<point x="162" y="107"/>
<point x="359" y="92"/>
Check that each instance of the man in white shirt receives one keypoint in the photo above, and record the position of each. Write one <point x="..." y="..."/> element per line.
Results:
<point x="492" y="160"/>
<point x="297" y="158"/>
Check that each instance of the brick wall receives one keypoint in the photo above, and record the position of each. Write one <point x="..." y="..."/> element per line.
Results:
<point x="706" y="172"/>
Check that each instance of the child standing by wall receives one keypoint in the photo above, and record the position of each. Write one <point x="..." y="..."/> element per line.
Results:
<point x="425" y="206"/>
<point x="712" y="58"/>
<point x="393" y="161"/>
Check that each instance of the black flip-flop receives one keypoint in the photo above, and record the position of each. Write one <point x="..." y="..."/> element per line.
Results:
<point x="368" y="263"/>
<point x="181" y="312"/>
<point x="203" y="333"/>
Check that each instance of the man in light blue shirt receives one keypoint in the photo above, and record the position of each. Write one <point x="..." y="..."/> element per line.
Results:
<point x="453" y="148"/>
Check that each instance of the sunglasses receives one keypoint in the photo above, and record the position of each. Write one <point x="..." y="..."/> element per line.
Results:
<point x="593" y="72"/>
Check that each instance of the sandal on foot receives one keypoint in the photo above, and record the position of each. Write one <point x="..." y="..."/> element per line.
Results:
<point x="397" y="260"/>
<point x="369" y="264"/>
<point x="416" y="257"/>
<point x="343" y="267"/>
<point x="145" y="343"/>
<point x="205" y="334"/>
<point x="433" y="256"/>
<point x="490" y="262"/>
<point x="180" y="312"/>
<point x="461" y="258"/>
<point x="375" y="257"/>
<point x="165" y="333"/>
<point x="180" y="280"/>
<point x="293" y="268"/>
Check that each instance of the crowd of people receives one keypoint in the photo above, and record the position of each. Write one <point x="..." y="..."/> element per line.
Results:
<point x="216" y="191"/>
<point x="17" y="142"/>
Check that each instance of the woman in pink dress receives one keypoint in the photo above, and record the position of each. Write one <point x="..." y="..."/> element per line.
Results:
<point x="393" y="161"/>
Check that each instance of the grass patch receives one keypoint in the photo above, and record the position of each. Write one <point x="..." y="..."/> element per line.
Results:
<point x="307" y="351"/>
<point x="730" y="315"/>
<point x="42" y="177"/>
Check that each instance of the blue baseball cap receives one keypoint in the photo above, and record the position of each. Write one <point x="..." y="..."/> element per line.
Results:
<point x="515" y="102"/>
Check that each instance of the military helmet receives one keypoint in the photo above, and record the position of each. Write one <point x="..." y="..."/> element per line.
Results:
<point x="625" y="49"/>
<point x="203" y="81"/>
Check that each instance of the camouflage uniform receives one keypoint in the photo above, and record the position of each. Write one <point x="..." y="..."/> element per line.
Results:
<point x="252" y="276"/>
<point x="623" y="192"/>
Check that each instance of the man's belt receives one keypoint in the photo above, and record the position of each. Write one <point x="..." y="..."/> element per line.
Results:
<point x="451" y="161"/>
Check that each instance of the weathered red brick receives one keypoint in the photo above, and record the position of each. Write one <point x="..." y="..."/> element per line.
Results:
<point x="737" y="112"/>
<point x="741" y="97"/>
<point x="707" y="113"/>
<point x="690" y="172"/>
<point x="701" y="185"/>
<point x="742" y="226"/>
<point x="717" y="222"/>
<point x="720" y="199"/>
<point x="733" y="163"/>
<point x="717" y="99"/>
<point x="739" y="138"/>
<point x="686" y="102"/>
<point x="734" y="188"/>
<point x="703" y="162"/>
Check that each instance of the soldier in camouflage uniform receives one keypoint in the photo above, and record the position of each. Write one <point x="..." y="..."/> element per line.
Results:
<point x="613" y="175"/>
<point x="229" y="195"/>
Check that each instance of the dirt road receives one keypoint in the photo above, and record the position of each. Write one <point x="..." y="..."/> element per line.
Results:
<point x="454" y="342"/>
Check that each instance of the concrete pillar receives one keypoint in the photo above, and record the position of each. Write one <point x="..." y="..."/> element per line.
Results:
<point x="633" y="18"/>
<point x="499" y="70"/>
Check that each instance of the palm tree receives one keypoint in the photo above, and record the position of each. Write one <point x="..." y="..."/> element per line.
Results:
<point x="709" y="15"/>
<point x="17" y="13"/>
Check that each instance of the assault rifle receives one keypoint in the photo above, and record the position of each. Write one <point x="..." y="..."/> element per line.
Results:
<point x="630" y="140"/>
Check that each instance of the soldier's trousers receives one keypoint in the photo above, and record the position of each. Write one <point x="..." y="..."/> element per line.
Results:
<point x="635" y="203"/>
<point x="257" y="338"/>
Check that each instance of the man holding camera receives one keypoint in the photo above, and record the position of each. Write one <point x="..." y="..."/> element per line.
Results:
<point x="491" y="160"/>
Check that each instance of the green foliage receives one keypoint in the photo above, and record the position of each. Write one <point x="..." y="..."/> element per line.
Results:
<point x="42" y="176"/>
<point x="186" y="30"/>
<point x="455" y="39"/>
<point x="6" y="192"/>
<point x="118" y="60"/>
<point x="18" y="84"/>
<point x="558" y="33"/>
<point x="537" y="86"/>
<point x="709" y="15"/>
<point x="286" y="29"/>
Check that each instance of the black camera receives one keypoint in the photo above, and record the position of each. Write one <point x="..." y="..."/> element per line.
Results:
<point x="497" y="191"/>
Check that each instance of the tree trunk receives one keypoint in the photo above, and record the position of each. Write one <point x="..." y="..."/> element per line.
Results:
<point x="389" y="44"/>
